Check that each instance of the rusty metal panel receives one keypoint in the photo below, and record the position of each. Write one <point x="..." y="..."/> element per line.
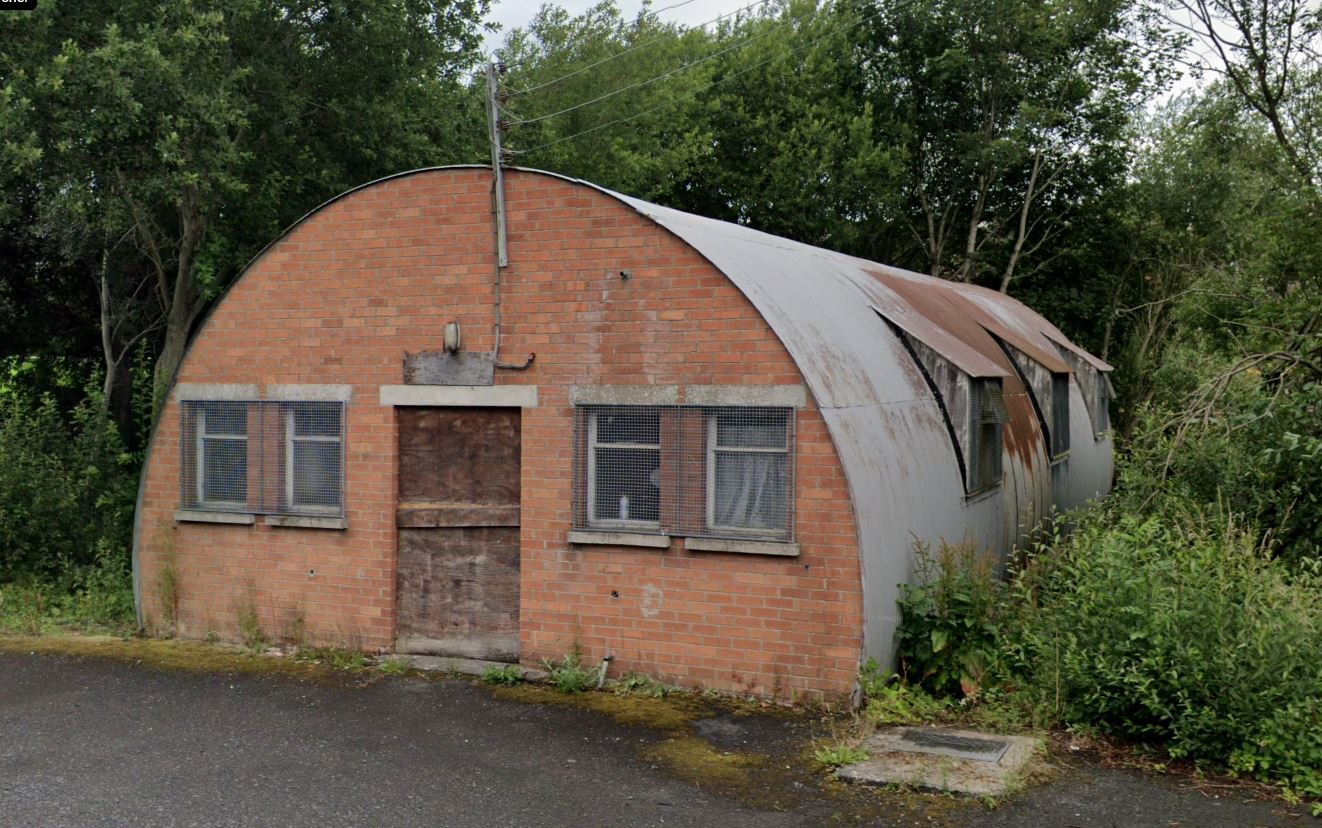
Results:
<point x="441" y="368"/>
<point x="458" y="513"/>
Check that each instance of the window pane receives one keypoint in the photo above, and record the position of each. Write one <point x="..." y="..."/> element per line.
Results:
<point x="639" y="427"/>
<point x="226" y="418"/>
<point x="751" y="490"/>
<point x="317" y="420"/>
<point x="626" y="485"/>
<point x="751" y="429"/>
<point x="316" y="474"/>
<point x="225" y="470"/>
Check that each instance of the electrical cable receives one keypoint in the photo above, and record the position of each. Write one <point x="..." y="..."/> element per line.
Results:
<point x="672" y="72"/>
<point x="672" y="102"/>
<point x="634" y="48"/>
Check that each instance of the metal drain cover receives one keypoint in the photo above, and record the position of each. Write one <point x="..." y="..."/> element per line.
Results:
<point x="940" y="743"/>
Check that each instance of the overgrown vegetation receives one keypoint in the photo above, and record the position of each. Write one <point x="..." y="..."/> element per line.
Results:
<point x="835" y="756"/>
<point x="569" y="675"/>
<point x="67" y="488"/>
<point x="506" y="675"/>
<point x="1177" y="630"/>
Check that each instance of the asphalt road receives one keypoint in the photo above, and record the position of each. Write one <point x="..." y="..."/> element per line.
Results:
<point x="87" y="742"/>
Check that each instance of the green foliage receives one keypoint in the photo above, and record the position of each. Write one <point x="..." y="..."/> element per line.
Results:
<point x="250" y="624"/>
<point x="569" y="675"/>
<point x="637" y="684"/>
<point x="1172" y="627"/>
<point x="506" y="675"/>
<point x="947" y="640"/>
<point x="836" y="756"/>
<point x="92" y="598"/>
<point x="339" y="658"/>
<point x="890" y="701"/>
<point x="393" y="667"/>
<point x="67" y="489"/>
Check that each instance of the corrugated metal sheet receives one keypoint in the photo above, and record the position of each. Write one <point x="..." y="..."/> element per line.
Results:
<point x="888" y="429"/>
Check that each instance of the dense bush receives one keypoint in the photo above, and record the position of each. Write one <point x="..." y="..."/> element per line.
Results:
<point x="1179" y="629"/>
<point x="67" y="490"/>
<point x="1253" y="441"/>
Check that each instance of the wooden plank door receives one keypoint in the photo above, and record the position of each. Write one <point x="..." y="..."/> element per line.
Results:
<point x="458" y="519"/>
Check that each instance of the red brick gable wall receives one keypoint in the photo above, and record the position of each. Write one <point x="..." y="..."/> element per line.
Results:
<point x="378" y="273"/>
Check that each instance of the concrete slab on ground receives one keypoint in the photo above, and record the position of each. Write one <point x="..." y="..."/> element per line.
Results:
<point x="944" y="759"/>
<point x="465" y="666"/>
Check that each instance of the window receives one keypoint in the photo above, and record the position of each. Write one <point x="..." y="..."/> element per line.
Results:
<point x="747" y="470"/>
<point x="686" y="470"/>
<point x="313" y="457"/>
<point x="221" y="458"/>
<point x="1102" y="408"/>
<point x="1060" y="414"/>
<point x="624" y="468"/>
<point x="263" y="457"/>
<point x="988" y="417"/>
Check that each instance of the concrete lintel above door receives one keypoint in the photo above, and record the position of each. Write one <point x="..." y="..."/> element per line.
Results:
<point x="481" y="396"/>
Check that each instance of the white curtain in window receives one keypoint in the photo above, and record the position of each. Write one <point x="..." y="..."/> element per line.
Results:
<point x="750" y="490"/>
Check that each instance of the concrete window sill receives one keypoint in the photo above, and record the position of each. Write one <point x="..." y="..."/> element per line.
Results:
<point x="584" y="538"/>
<point x="200" y="516"/>
<point x="307" y="522"/>
<point x="743" y="547"/>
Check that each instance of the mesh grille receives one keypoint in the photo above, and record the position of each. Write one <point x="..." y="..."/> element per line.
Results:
<point x="263" y="457"/>
<point x="700" y="471"/>
<point x="987" y="418"/>
<point x="1060" y="414"/>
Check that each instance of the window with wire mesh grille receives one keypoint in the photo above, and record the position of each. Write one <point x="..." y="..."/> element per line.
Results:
<point x="1060" y="414"/>
<point x="699" y="471"/>
<point x="1102" y="405"/>
<point x="263" y="457"/>
<point x="987" y="419"/>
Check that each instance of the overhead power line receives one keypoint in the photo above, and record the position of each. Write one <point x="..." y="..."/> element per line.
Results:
<point x="830" y="30"/>
<point x="635" y="47"/>
<point x="640" y="19"/>
<point x="671" y="73"/>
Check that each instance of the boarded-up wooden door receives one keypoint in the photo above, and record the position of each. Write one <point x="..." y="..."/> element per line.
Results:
<point x="458" y="520"/>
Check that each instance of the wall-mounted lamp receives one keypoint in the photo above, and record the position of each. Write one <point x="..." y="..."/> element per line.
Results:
<point x="453" y="338"/>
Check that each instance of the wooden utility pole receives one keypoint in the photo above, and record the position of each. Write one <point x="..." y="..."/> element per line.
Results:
<point x="493" y="122"/>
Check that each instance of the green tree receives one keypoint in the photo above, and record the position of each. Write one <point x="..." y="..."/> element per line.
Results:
<point x="1013" y="114"/>
<point x="166" y="142"/>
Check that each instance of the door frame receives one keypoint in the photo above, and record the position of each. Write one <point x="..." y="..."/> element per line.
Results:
<point x="450" y="396"/>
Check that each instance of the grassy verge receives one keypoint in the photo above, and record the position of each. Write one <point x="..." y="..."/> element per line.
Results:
<point x="95" y="599"/>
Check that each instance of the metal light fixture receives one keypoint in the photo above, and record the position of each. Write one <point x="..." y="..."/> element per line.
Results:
<point x="453" y="338"/>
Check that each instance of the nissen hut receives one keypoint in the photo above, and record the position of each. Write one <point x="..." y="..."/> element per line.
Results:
<point x="703" y="450"/>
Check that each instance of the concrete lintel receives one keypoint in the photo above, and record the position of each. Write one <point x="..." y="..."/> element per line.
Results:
<point x="307" y="522"/>
<point x="624" y="394"/>
<point x="207" y="391"/>
<point x="200" y="516"/>
<point x="494" y="396"/>
<point x="310" y="393"/>
<point x="779" y="396"/>
<point x="742" y="547"/>
<point x="619" y="539"/>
